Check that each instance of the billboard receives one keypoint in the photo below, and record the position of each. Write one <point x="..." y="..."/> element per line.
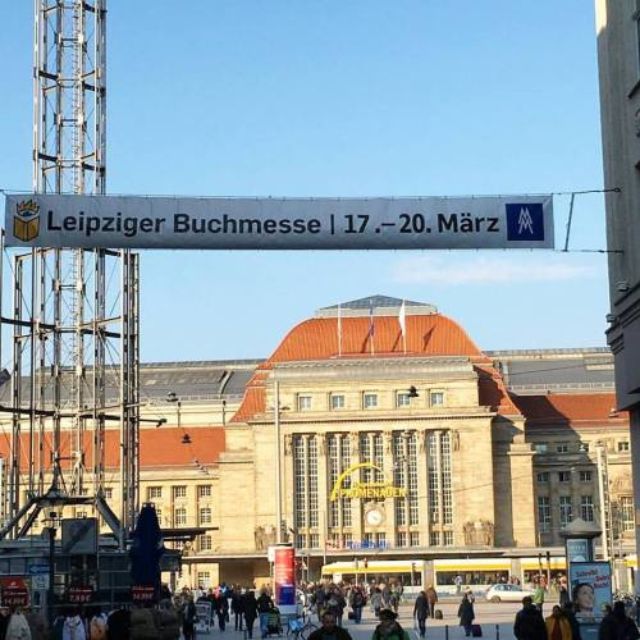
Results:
<point x="136" y="222"/>
<point x="284" y="579"/>
<point x="590" y="584"/>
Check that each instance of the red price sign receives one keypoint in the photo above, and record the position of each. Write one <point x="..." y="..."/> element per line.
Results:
<point x="79" y="595"/>
<point x="14" y="592"/>
<point x="141" y="593"/>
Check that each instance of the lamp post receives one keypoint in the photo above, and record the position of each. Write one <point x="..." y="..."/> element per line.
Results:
<point x="51" y="526"/>
<point x="173" y="397"/>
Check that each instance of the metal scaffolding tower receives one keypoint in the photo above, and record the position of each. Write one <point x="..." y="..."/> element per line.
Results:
<point x="74" y="321"/>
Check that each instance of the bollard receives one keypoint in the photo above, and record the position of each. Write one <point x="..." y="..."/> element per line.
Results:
<point x="497" y="632"/>
<point x="446" y="632"/>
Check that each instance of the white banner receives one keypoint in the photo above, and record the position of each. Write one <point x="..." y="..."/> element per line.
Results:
<point x="513" y="222"/>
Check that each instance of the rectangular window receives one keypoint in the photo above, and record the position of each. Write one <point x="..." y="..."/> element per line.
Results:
<point x="543" y="477"/>
<point x="304" y="403"/>
<point x="401" y="539"/>
<point x="564" y="476"/>
<point x="179" y="492"/>
<point x="337" y="401"/>
<point x="403" y="399"/>
<point x="370" y="400"/>
<point x="305" y="472"/>
<point x="585" y="476"/>
<point x="180" y="516"/>
<point x="562" y="447"/>
<point x="153" y="493"/>
<point x="627" y="521"/>
<point x="583" y="447"/>
<point x="623" y="446"/>
<point x="544" y="514"/>
<point x="566" y="511"/>
<point x="205" y="543"/>
<point x="205" y="515"/>
<point x="414" y="539"/>
<point x="204" y="579"/>
<point x="315" y="540"/>
<point x="108" y="493"/>
<point x="448" y="538"/>
<point x="586" y="508"/>
<point x="204" y="491"/>
<point x="434" y="539"/>
<point x="541" y="447"/>
<point x="159" y="516"/>
<point x="436" y="398"/>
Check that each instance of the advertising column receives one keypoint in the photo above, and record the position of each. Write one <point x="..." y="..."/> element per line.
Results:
<point x="284" y="580"/>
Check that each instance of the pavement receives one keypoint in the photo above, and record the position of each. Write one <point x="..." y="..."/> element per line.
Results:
<point x="496" y="621"/>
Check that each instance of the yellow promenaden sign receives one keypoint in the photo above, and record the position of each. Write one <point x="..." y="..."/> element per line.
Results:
<point x="365" y="490"/>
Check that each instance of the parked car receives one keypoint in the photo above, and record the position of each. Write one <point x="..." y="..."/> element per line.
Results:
<point x="506" y="593"/>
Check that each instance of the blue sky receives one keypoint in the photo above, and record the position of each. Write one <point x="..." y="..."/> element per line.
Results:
<point x="329" y="98"/>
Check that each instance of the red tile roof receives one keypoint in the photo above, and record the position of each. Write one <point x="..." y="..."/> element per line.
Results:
<point x="158" y="447"/>
<point x="427" y="335"/>
<point x="431" y="335"/>
<point x="570" y="408"/>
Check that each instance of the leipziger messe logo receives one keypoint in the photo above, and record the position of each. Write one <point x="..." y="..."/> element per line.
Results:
<point x="525" y="221"/>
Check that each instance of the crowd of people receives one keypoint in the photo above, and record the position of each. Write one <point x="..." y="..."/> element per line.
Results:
<point x="175" y="617"/>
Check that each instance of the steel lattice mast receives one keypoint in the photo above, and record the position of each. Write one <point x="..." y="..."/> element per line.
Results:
<point x="75" y="312"/>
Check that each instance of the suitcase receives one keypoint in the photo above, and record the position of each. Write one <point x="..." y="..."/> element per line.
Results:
<point x="476" y="631"/>
<point x="437" y="614"/>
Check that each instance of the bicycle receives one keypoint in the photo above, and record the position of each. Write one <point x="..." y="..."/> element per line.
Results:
<point x="299" y="628"/>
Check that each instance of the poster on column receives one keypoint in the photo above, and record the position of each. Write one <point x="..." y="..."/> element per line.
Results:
<point x="284" y="579"/>
<point x="590" y="589"/>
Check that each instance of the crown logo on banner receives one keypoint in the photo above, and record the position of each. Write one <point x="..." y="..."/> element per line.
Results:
<point x="26" y="221"/>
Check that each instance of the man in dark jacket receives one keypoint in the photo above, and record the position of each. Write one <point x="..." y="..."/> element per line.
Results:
<point x="265" y="606"/>
<point x="329" y="630"/>
<point x="617" y="626"/>
<point x="237" y="606"/>
<point x="420" y="612"/>
<point x="250" y="606"/>
<point x="529" y="624"/>
<point x="432" y="599"/>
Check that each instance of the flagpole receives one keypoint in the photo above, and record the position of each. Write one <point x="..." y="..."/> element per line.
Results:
<point x="339" y="330"/>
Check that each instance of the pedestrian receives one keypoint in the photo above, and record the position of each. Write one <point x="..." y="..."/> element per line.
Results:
<point x="432" y="600"/>
<point x="376" y="602"/>
<point x="237" y="607"/>
<point x="265" y="607"/>
<point x="250" y="607"/>
<point x="570" y="615"/>
<point x="389" y="628"/>
<point x="329" y="629"/>
<point x="558" y="627"/>
<point x="466" y="614"/>
<point x="538" y="596"/>
<point x="529" y="624"/>
<point x="421" y="611"/>
<point x="357" y="603"/>
<point x="189" y="619"/>
<point x="617" y="625"/>
<point x="73" y="628"/>
<point x="222" y="609"/>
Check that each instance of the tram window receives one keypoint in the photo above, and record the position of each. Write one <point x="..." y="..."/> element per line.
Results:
<point x="471" y="577"/>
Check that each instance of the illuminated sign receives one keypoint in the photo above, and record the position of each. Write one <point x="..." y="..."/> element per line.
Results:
<point x="365" y="490"/>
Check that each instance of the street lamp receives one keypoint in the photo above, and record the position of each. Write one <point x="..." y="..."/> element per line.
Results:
<point x="174" y="398"/>
<point x="51" y="524"/>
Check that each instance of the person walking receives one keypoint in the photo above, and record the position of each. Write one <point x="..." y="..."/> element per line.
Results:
<point x="329" y="629"/>
<point x="432" y="600"/>
<point x="265" y="606"/>
<point x="189" y="618"/>
<point x="250" y="606"/>
<point x="389" y="628"/>
<point x="558" y="626"/>
<point x="421" y="611"/>
<point x="357" y="603"/>
<point x="237" y="606"/>
<point x="466" y="614"/>
<point x="616" y="625"/>
<point x="221" y="606"/>
<point x="529" y="624"/>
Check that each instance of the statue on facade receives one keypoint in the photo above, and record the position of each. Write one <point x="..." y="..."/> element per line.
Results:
<point x="259" y="537"/>
<point x="478" y="533"/>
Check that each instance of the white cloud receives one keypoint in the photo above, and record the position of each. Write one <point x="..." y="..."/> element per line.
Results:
<point x="459" y="269"/>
